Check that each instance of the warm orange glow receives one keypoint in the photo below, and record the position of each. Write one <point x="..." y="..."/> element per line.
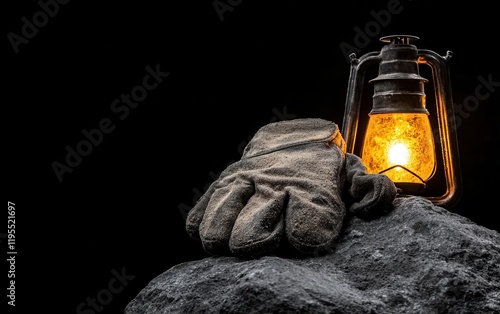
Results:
<point x="403" y="141"/>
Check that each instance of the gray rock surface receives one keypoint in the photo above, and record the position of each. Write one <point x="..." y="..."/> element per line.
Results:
<point x="420" y="258"/>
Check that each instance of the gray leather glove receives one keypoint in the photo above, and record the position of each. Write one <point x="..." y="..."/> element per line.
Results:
<point x="288" y="186"/>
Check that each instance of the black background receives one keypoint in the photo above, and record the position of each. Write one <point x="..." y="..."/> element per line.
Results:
<point x="122" y="208"/>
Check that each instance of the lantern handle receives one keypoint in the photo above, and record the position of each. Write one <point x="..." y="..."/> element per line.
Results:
<point x="446" y="121"/>
<point x="353" y="98"/>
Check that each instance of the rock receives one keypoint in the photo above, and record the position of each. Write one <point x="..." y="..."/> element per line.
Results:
<point x="420" y="258"/>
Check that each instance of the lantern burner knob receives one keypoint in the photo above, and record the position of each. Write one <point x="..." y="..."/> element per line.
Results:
<point x="399" y="39"/>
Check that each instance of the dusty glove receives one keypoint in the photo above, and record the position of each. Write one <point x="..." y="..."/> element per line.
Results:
<point x="288" y="186"/>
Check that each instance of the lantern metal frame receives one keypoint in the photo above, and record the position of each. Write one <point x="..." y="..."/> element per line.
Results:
<point x="445" y="116"/>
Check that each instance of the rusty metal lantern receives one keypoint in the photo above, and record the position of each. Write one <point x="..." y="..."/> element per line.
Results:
<point x="398" y="137"/>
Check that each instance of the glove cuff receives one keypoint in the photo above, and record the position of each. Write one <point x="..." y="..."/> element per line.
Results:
<point x="283" y="134"/>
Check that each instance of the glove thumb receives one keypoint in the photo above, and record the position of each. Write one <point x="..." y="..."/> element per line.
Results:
<point x="369" y="195"/>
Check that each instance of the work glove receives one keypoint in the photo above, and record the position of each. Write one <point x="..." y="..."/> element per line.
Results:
<point x="288" y="186"/>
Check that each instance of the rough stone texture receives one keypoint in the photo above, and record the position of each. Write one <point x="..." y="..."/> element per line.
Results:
<point x="419" y="258"/>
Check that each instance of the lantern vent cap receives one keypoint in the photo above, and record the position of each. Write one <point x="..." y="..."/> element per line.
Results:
<point x="399" y="39"/>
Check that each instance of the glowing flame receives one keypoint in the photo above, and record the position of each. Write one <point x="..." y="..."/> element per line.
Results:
<point x="399" y="154"/>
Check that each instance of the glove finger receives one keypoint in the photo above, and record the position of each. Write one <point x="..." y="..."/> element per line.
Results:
<point x="195" y="215"/>
<point x="313" y="222"/>
<point x="259" y="227"/>
<point x="220" y="215"/>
